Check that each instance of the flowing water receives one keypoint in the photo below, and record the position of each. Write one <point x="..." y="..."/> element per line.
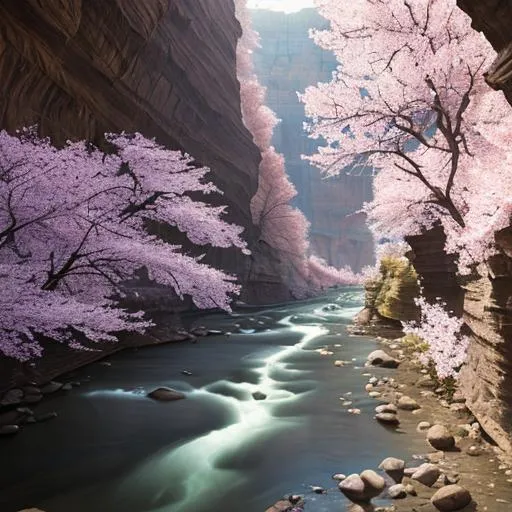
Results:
<point x="113" y="450"/>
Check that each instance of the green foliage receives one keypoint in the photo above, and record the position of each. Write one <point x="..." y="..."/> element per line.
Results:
<point x="399" y="287"/>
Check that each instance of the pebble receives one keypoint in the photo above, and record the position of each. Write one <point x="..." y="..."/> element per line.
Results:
<point x="374" y="394"/>
<point x="354" y="411"/>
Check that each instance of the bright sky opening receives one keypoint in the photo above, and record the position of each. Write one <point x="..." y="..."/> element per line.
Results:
<point x="281" y="5"/>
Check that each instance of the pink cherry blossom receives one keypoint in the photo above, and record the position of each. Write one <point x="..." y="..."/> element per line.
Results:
<point x="74" y="227"/>
<point x="410" y="101"/>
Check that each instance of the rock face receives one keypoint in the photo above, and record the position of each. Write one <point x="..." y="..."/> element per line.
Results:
<point x="165" y="69"/>
<point x="485" y="302"/>
<point x="436" y="269"/>
<point x="486" y="380"/>
<point x="289" y="61"/>
<point x="493" y="18"/>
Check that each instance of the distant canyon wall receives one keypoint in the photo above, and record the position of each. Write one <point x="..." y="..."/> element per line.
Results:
<point x="288" y="61"/>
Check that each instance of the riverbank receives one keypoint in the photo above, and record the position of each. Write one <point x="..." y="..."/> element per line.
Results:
<point x="475" y="463"/>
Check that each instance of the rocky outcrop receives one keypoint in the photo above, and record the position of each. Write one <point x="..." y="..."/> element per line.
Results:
<point x="389" y="298"/>
<point x="493" y="18"/>
<point x="437" y="271"/>
<point x="485" y="301"/>
<point x="166" y="69"/>
<point x="288" y="61"/>
<point x="486" y="380"/>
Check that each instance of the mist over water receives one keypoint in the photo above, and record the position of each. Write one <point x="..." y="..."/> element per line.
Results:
<point x="112" y="449"/>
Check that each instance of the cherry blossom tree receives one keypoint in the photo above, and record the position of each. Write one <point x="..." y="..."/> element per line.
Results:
<point x="409" y="99"/>
<point x="73" y="229"/>
<point x="282" y="226"/>
<point x="441" y="331"/>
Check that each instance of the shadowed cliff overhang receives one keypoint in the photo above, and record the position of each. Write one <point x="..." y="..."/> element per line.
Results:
<point x="494" y="19"/>
<point x="164" y="68"/>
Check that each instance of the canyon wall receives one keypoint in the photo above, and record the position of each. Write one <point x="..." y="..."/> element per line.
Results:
<point x="166" y="69"/>
<point x="288" y="61"/>
<point x="487" y="377"/>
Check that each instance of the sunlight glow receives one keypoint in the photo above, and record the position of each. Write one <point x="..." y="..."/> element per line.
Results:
<point x="281" y="5"/>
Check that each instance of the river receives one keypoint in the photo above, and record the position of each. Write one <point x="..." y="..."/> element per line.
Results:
<point x="112" y="449"/>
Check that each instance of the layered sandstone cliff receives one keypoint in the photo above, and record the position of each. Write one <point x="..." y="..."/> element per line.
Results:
<point x="164" y="68"/>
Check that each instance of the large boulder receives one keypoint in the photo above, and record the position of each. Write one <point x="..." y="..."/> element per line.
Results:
<point x="166" y="394"/>
<point x="427" y="474"/>
<point x="440" y="438"/>
<point x="394" y="468"/>
<point x="451" y="498"/>
<point x="382" y="359"/>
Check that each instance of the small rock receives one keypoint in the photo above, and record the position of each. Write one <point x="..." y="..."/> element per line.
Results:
<point x="12" y="397"/>
<point x="7" y="430"/>
<point x="393" y="467"/>
<point x="373" y="381"/>
<point x="339" y="363"/>
<point x="339" y="477"/>
<point x="31" y="390"/>
<point x="9" y="418"/>
<point x="354" y="411"/>
<point x="380" y="358"/>
<point x="451" y="498"/>
<point x="435" y="457"/>
<point x="388" y="418"/>
<point x="427" y="474"/>
<point x="46" y="416"/>
<point x="317" y="489"/>
<point x="374" y="394"/>
<point x="459" y="409"/>
<point x="51" y="387"/>
<point x="188" y="373"/>
<point x="294" y="499"/>
<point x="67" y="387"/>
<point x="166" y="394"/>
<point x="426" y="382"/>
<point x="440" y="438"/>
<point x="391" y="408"/>
<point x="423" y="425"/>
<point x="353" y="488"/>
<point x="410" y="471"/>
<point x="407" y="403"/>
<point x="397" y="492"/>
<point x="201" y="330"/>
<point x="409" y="489"/>
<point x="451" y="478"/>
<point x="32" y="399"/>
<point x="374" y="484"/>
<point x="280" y="506"/>
<point x="368" y="387"/>
<point x="458" y="397"/>
<point x="258" y="395"/>
<point x="474" y="450"/>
